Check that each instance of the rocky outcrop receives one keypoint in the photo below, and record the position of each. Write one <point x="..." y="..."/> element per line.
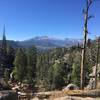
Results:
<point x="91" y="84"/>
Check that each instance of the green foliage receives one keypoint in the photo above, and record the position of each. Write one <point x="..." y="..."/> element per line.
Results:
<point x="6" y="75"/>
<point x="76" y="74"/>
<point x="10" y="56"/>
<point x="20" y="65"/>
<point x="31" y="64"/>
<point x="51" y="69"/>
<point x="57" y="76"/>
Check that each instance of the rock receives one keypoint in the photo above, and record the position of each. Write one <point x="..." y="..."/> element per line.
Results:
<point x="91" y="84"/>
<point x="71" y="87"/>
<point x="22" y="93"/>
<point x="16" y="87"/>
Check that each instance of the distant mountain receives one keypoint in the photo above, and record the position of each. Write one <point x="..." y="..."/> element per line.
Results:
<point x="45" y="42"/>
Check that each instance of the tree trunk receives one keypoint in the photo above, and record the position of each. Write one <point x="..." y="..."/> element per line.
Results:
<point x="84" y="46"/>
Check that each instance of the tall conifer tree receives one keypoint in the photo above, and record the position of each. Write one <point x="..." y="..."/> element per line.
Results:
<point x="20" y="65"/>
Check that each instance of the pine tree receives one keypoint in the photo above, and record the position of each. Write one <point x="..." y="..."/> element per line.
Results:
<point x="10" y="57"/>
<point x="60" y="75"/>
<point x="20" y="65"/>
<point x="6" y="75"/>
<point x="31" y="64"/>
<point x="4" y="42"/>
<point x="75" y="74"/>
<point x="4" y="51"/>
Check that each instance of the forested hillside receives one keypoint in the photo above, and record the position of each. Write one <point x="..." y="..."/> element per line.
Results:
<point x="47" y="70"/>
<point x="59" y="67"/>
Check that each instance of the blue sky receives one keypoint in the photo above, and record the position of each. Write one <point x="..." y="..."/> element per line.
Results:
<point x="26" y="19"/>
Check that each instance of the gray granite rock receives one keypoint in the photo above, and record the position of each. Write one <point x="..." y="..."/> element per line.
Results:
<point x="71" y="87"/>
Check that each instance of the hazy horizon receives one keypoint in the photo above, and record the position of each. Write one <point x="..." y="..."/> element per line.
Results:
<point x="43" y="36"/>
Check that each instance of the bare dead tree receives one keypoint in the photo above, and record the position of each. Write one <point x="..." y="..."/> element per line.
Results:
<point x="86" y="19"/>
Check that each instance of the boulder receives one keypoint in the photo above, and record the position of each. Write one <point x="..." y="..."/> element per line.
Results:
<point x="91" y="84"/>
<point x="71" y="87"/>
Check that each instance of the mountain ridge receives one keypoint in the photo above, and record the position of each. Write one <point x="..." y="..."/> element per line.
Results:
<point x="48" y="42"/>
<point x="45" y="42"/>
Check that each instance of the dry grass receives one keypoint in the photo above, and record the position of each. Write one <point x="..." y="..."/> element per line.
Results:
<point x="60" y="95"/>
<point x="79" y="93"/>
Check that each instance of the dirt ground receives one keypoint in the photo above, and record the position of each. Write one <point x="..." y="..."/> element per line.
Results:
<point x="76" y="98"/>
<point x="70" y="95"/>
<point x="70" y="98"/>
